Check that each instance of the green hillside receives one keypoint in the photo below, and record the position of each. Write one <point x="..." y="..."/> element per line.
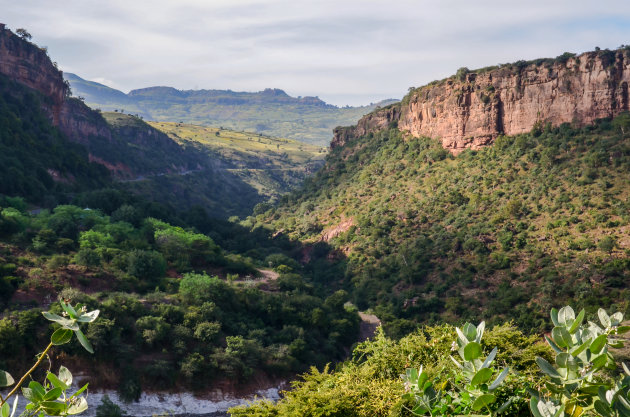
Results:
<point x="505" y="232"/>
<point x="270" y="112"/>
<point x="183" y="165"/>
<point x="36" y="160"/>
<point x="178" y="308"/>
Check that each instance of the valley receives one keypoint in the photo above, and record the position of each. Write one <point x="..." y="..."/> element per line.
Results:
<point x="269" y="112"/>
<point x="464" y="250"/>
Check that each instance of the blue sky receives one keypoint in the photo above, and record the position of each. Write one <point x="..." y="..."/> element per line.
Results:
<point x="344" y="51"/>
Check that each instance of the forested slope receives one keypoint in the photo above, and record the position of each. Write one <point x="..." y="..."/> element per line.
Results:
<point x="504" y="232"/>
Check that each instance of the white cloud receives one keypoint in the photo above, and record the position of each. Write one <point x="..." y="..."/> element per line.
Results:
<point x="344" y="51"/>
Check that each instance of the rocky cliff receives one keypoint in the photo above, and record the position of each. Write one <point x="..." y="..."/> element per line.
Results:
<point x="471" y="109"/>
<point x="123" y="148"/>
<point x="30" y="65"/>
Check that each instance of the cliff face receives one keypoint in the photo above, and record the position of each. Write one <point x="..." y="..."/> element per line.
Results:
<point x="28" y="64"/>
<point x="473" y="111"/>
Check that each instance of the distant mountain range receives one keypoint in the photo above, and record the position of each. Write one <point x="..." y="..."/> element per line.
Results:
<point x="270" y="112"/>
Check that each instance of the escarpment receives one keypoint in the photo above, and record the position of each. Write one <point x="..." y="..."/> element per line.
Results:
<point x="121" y="149"/>
<point x="30" y="65"/>
<point x="470" y="110"/>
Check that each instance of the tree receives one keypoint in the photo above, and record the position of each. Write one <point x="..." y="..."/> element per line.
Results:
<point x="23" y="33"/>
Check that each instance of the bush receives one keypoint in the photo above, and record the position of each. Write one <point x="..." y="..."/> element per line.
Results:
<point x="147" y="265"/>
<point x="107" y="408"/>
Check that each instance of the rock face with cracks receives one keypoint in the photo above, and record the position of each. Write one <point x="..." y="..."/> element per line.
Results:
<point x="470" y="110"/>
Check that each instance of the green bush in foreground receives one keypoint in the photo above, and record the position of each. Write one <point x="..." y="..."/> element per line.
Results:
<point x="51" y="398"/>
<point x="387" y="378"/>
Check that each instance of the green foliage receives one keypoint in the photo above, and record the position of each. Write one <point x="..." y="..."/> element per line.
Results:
<point x="372" y="382"/>
<point x="505" y="231"/>
<point x="146" y="265"/>
<point x="107" y="408"/>
<point x="581" y="353"/>
<point x="52" y="397"/>
<point x="474" y="383"/>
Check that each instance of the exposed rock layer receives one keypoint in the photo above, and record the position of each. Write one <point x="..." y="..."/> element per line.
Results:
<point x="473" y="111"/>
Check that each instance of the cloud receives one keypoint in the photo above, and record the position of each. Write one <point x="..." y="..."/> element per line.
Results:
<point x="344" y="51"/>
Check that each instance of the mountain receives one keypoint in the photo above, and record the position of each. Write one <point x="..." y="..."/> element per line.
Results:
<point x="472" y="108"/>
<point x="86" y="147"/>
<point x="426" y="232"/>
<point x="271" y="112"/>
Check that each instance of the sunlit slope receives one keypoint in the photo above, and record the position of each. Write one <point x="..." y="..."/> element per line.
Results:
<point x="534" y="221"/>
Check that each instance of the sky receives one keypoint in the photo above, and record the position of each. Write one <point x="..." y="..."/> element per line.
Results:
<point x="347" y="52"/>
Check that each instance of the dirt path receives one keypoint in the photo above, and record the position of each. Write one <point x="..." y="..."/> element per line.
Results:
<point x="368" y="325"/>
<point x="268" y="275"/>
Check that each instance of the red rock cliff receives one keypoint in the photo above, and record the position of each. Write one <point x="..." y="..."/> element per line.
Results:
<point x="472" y="111"/>
<point x="28" y="64"/>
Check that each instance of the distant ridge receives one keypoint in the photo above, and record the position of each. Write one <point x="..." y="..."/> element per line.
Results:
<point x="270" y="112"/>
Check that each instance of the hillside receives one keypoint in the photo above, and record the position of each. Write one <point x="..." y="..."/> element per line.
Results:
<point x="37" y="161"/>
<point x="503" y="232"/>
<point x="270" y="112"/>
<point x="227" y="173"/>
<point x="179" y="309"/>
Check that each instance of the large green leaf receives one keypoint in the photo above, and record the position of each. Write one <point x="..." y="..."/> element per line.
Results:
<point x="483" y="401"/>
<point x="554" y="317"/>
<point x="581" y="348"/>
<point x="88" y="317"/>
<point x="56" y="381"/>
<point x="65" y="375"/>
<point x="623" y="329"/>
<point x="598" y="344"/>
<point x="482" y="376"/>
<point x="553" y="344"/>
<point x="470" y="331"/>
<point x="577" y="322"/>
<point x="61" y="336"/>
<point x="6" y="379"/>
<point x="70" y="310"/>
<point x="53" y="408"/>
<point x="5" y="410"/>
<point x="497" y="382"/>
<point x="37" y="389"/>
<point x="78" y="407"/>
<point x="561" y="336"/>
<point x="566" y="316"/>
<point x="472" y="351"/>
<point x="83" y="340"/>
<point x="490" y="358"/>
<point x="602" y="408"/>
<point x="53" y="394"/>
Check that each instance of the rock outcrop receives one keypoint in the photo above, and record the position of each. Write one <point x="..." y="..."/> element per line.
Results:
<point x="471" y="110"/>
<point x="30" y="65"/>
